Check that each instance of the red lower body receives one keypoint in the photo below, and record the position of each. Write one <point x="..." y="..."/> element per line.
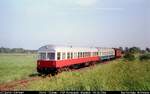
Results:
<point x="44" y="64"/>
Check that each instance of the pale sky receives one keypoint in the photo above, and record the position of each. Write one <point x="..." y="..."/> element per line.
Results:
<point x="31" y="24"/>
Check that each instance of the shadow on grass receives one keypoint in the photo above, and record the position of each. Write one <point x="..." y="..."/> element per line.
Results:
<point x="34" y="75"/>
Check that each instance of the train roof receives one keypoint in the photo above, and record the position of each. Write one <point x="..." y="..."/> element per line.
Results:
<point x="53" y="48"/>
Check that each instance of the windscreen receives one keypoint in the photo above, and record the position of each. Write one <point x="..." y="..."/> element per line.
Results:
<point x="46" y="56"/>
<point x="51" y="56"/>
<point x="42" y="56"/>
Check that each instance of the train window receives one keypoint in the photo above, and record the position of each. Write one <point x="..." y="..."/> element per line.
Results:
<point x="97" y="53"/>
<point x="71" y="56"/>
<point x="78" y="54"/>
<point x="89" y="54"/>
<point x="85" y="53"/>
<point x="82" y="54"/>
<point x="58" y="55"/>
<point x="75" y="55"/>
<point x="51" y="56"/>
<point x="93" y="54"/>
<point x="63" y="55"/>
<point x="42" y="55"/>
<point x="68" y="55"/>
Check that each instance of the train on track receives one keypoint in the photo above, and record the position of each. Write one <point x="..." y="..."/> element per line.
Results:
<point x="52" y="58"/>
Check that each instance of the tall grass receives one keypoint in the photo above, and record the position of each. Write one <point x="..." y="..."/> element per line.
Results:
<point x="16" y="66"/>
<point x="117" y="75"/>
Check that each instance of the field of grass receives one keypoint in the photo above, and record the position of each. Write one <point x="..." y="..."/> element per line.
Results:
<point x="115" y="75"/>
<point x="16" y="66"/>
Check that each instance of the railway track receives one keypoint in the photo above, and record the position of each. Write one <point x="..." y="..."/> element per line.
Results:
<point x="13" y="84"/>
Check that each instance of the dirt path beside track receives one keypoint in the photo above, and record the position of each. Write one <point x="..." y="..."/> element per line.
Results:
<point x="10" y="86"/>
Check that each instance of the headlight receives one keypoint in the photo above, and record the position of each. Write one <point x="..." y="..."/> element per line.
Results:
<point x="38" y="63"/>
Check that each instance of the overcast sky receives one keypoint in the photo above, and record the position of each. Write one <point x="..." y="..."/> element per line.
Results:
<point x="105" y="23"/>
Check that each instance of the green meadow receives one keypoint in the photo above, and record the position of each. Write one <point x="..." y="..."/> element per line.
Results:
<point x="115" y="75"/>
<point x="16" y="66"/>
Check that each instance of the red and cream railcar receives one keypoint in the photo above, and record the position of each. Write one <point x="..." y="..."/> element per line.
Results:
<point x="52" y="57"/>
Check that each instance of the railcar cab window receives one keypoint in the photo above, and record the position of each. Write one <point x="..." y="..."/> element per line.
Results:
<point x="51" y="56"/>
<point x="58" y="55"/>
<point x="42" y="56"/>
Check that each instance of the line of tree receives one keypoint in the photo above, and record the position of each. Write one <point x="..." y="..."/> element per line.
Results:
<point x="21" y="50"/>
<point x="130" y="54"/>
<point x="16" y="50"/>
<point x="134" y="50"/>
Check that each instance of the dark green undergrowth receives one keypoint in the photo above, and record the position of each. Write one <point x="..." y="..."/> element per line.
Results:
<point x="116" y="75"/>
<point x="145" y="57"/>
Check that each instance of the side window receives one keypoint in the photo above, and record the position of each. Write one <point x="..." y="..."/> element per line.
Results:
<point x="71" y="55"/>
<point x="78" y="54"/>
<point x="75" y="55"/>
<point x="97" y="53"/>
<point x="83" y="54"/>
<point x="51" y="56"/>
<point x="89" y="54"/>
<point x="93" y="53"/>
<point x="58" y="55"/>
<point x="63" y="55"/>
<point x="68" y="55"/>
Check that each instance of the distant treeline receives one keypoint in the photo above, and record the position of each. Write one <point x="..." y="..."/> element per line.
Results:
<point x="16" y="50"/>
<point x="134" y="50"/>
<point x="21" y="50"/>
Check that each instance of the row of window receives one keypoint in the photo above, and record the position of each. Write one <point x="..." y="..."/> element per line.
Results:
<point x="75" y="54"/>
<point x="106" y="53"/>
<point x="70" y="55"/>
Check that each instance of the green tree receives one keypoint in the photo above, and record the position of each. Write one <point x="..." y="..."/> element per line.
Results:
<point x="129" y="56"/>
<point x="134" y="50"/>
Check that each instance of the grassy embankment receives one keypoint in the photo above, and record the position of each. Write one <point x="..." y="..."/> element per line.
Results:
<point x="16" y="66"/>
